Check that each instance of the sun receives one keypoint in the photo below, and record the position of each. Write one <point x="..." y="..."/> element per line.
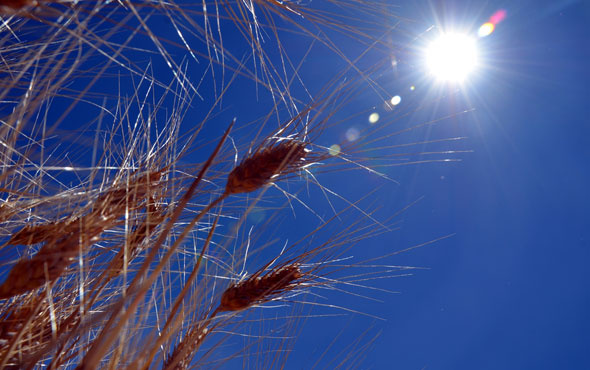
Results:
<point x="451" y="57"/>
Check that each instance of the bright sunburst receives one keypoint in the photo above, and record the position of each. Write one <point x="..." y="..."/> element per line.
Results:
<point x="451" y="57"/>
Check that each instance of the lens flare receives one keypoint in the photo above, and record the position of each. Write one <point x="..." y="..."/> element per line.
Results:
<point x="396" y="100"/>
<point x="498" y="16"/>
<point x="352" y="134"/>
<point x="486" y="29"/>
<point x="334" y="150"/>
<point x="373" y="117"/>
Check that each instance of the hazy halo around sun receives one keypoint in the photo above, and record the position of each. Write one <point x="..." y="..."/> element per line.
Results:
<point x="451" y="57"/>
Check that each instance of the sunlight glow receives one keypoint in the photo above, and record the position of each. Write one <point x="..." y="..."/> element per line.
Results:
<point x="396" y="100"/>
<point x="451" y="57"/>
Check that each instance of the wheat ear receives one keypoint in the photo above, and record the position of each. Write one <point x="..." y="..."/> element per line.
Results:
<point x="258" y="169"/>
<point x="16" y="4"/>
<point x="258" y="289"/>
<point x="65" y="240"/>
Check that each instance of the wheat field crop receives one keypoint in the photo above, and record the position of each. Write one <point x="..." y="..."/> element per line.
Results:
<point x="140" y="138"/>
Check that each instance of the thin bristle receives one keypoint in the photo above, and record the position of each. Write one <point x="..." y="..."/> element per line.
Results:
<point x="137" y="240"/>
<point x="64" y="240"/>
<point x="260" y="168"/>
<point x="259" y="289"/>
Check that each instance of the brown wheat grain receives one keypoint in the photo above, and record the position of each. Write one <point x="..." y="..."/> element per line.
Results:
<point x="258" y="169"/>
<point x="16" y="4"/>
<point x="259" y="289"/>
<point x="256" y="289"/>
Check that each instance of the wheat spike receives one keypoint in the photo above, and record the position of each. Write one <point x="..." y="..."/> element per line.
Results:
<point x="258" y="169"/>
<point x="65" y="239"/>
<point x="16" y="4"/>
<point x="256" y="289"/>
<point x="61" y="249"/>
<point x="33" y="234"/>
<point x="259" y="289"/>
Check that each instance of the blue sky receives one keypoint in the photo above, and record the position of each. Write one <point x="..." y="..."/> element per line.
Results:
<point x="510" y="290"/>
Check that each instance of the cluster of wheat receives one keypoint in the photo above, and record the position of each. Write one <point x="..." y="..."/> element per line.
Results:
<point x="125" y="189"/>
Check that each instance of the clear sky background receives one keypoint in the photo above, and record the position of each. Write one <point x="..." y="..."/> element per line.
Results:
<point x="510" y="290"/>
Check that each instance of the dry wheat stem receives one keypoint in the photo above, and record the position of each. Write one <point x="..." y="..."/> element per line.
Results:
<point x="190" y="344"/>
<point x="108" y="334"/>
<point x="16" y="338"/>
<point x="167" y="331"/>
<point x="252" y="173"/>
<point x="119" y="263"/>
